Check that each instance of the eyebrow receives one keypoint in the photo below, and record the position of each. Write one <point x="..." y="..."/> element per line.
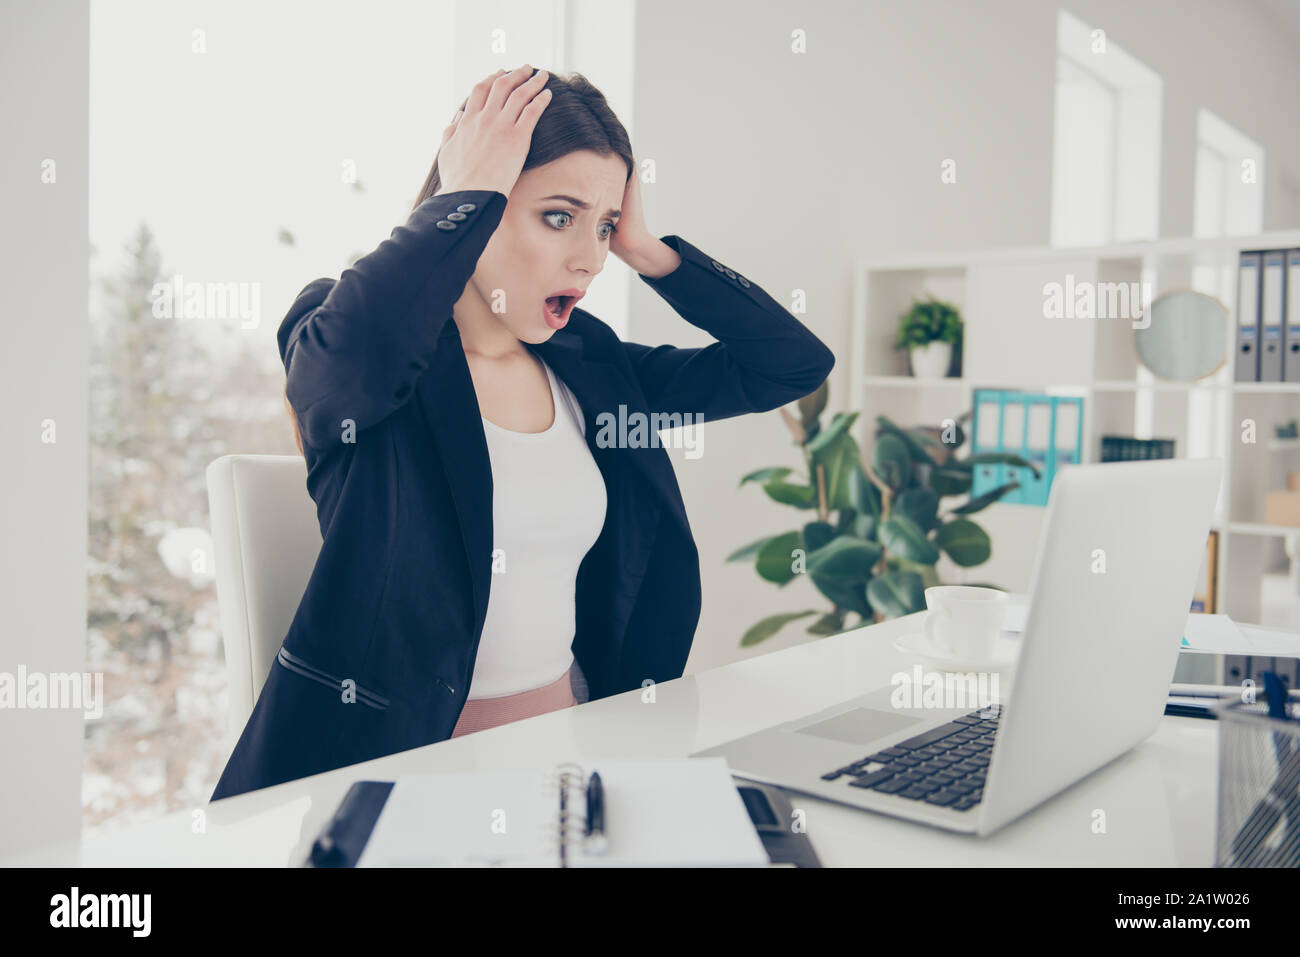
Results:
<point x="580" y="204"/>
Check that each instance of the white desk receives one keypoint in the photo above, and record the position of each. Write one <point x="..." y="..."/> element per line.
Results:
<point x="1159" y="799"/>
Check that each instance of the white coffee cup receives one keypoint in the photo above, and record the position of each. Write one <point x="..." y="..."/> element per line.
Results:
<point x="964" y="621"/>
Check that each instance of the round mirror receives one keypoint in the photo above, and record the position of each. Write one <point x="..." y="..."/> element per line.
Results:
<point x="1186" y="337"/>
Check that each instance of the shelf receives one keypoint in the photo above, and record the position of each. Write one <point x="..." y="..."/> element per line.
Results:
<point x="1260" y="528"/>
<point x="907" y="381"/>
<point x="1224" y="246"/>
<point x="1128" y="385"/>
<point x="1015" y="341"/>
<point x="1097" y="385"/>
<point x="1266" y="386"/>
<point x="911" y="382"/>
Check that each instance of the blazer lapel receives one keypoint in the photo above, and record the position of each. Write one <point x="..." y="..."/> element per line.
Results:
<point x="446" y="395"/>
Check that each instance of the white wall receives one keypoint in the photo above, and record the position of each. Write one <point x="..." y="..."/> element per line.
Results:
<point x="44" y="261"/>
<point x="789" y="166"/>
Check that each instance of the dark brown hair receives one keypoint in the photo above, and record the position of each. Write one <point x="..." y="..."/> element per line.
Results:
<point x="577" y="118"/>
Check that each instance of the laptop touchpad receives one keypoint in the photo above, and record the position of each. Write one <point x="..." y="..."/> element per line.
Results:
<point x="859" y="726"/>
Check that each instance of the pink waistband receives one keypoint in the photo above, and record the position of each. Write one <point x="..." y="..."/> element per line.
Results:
<point x="483" y="713"/>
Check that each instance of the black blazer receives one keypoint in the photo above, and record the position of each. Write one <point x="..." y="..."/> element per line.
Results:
<point x="379" y="655"/>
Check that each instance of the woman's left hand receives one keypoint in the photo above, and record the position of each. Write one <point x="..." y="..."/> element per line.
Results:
<point x="632" y="240"/>
<point x="631" y="237"/>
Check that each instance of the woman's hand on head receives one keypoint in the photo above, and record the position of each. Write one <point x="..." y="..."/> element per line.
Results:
<point x="631" y="237"/>
<point x="485" y="145"/>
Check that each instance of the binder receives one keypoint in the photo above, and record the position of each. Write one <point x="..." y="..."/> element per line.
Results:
<point x="1067" y="431"/>
<point x="1291" y="335"/>
<point x="1237" y="668"/>
<point x="1271" y="316"/>
<point x="987" y="437"/>
<point x="1046" y="430"/>
<point x="1038" y="449"/>
<point x="1013" y="441"/>
<point x="342" y="842"/>
<point x="1247" y="363"/>
<point x="1122" y="448"/>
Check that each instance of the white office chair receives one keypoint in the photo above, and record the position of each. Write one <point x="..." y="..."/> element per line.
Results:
<point x="266" y="539"/>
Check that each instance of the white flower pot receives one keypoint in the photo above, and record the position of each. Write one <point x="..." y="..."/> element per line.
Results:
<point x="931" y="360"/>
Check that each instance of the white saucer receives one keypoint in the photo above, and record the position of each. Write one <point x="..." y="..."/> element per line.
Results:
<point x="1005" y="650"/>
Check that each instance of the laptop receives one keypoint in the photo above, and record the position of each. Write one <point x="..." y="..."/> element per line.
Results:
<point x="1121" y="548"/>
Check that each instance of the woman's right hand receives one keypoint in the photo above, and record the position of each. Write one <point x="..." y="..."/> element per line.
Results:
<point x="485" y="145"/>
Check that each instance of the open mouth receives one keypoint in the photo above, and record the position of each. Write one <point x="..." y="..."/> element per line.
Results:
<point x="558" y="309"/>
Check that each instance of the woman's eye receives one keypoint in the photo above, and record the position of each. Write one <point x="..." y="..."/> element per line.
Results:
<point x="567" y="218"/>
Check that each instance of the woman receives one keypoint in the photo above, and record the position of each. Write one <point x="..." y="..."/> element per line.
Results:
<point x="450" y="461"/>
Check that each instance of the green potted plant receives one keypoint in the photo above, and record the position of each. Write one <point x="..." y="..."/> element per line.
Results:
<point x="930" y="330"/>
<point x="879" y="525"/>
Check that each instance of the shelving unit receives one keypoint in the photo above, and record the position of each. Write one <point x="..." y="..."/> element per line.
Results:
<point x="1009" y="343"/>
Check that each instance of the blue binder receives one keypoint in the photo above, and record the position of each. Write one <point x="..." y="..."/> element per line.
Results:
<point x="1046" y="430"/>
<point x="986" y="436"/>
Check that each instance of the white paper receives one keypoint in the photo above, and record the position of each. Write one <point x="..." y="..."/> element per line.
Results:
<point x="466" y="819"/>
<point x="1209" y="634"/>
<point x="1219" y="634"/>
<point x="667" y="813"/>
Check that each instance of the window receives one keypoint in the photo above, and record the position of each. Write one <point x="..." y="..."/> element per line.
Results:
<point x="231" y="171"/>
<point x="1229" y="180"/>
<point x="1106" y="141"/>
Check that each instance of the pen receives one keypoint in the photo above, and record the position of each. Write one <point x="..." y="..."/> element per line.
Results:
<point x="595" y="839"/>
<point x="325" y="852"/>
<point x="339" y="844"/>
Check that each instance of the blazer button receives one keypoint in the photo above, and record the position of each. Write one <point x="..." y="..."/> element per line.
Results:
<point x="730" y="274"/>
<point x="443" y="224"/>
<point x="717" y="265"/>
<point x="457" y="217"/>
<point x="743" y="281"/>
<point x="466" y="208"/>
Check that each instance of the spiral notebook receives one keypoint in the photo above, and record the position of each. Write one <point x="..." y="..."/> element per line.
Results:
<point x="684" y="812"/>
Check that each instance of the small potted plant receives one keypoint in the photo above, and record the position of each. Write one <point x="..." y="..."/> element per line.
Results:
<point x="930" y="330"/>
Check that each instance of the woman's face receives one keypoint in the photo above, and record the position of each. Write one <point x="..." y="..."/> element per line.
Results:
<point x="548" y="243"/>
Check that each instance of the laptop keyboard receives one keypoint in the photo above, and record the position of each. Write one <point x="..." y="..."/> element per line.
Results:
<point x="944" y="766"/>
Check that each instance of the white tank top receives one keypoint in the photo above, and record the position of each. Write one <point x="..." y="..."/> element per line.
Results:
<point x="548" y="507"/>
